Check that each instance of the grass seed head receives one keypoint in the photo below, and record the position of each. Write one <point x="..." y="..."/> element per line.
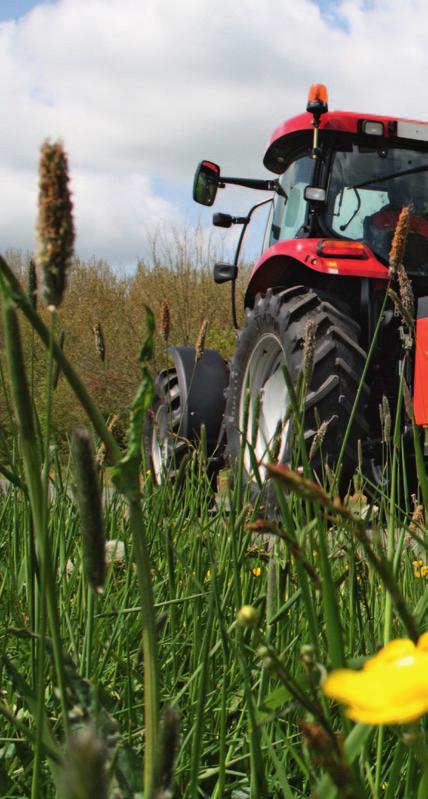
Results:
<point x="418" y="515"/>
<point x="165" y="321"/>
<point x="84" y="773"/>
<point x="318" y="439"/>
<point x="316" y="737"/>
<point x="57" y="368"/>
<point x="32" y="284"/>
<point x="169" y="737"/>
<point x="309" y="351"/>
<point x="200" y="341"/>
<point x="90" y="508"/>
<point x="102" y="455"/>
<point x="408" y="402"/>
<point x="55" y="228"/>
<point x="399" y="240"/>
<point x="385" y="419"/>
<point x="100" y="345"/>
<point x="406" y="294"/>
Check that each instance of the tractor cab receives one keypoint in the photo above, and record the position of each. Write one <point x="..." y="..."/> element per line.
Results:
<point x="354" y="190"/>
<point x="342" y="180"/>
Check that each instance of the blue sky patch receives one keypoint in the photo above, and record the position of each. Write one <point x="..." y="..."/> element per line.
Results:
<point x="13" y="9"/>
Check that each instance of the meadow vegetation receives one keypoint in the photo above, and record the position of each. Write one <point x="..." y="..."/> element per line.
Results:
<point x="177" y="271"/>
<point x="164" y="641"/>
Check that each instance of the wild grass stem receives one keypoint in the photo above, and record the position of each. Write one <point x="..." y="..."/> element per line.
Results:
<point x="32" y="468"/>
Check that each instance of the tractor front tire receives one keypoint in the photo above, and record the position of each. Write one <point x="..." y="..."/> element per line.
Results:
<point x="258" y="414"/>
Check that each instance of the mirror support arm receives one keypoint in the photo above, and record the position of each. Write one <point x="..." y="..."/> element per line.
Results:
<point x="238" y="250"/>
<point x="250" y="183"/>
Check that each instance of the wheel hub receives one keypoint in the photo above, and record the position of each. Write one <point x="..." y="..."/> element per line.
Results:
<point x="264" y="405"/>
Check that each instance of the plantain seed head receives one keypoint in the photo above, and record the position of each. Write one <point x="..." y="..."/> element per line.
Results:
<point x="399" y="240"/>
<point x="55" y="228"/>
<point x="90" y="508"/>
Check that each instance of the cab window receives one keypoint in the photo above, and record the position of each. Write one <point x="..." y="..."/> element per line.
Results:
<point x="290" y="206"/>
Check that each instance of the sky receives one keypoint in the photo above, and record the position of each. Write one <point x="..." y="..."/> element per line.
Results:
<point x="140" y="91"/>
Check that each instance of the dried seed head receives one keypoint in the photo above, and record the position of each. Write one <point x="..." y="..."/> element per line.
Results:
<point x="255" y="418"/>
<point x="406" y="295"/>
<point x="275" y="447"/>
<point x="32" y="284"/>
<point x="316" y="738"/>
<point x="57" y="368"/>
<point x="115" y="552"/>
<point x="309" y="351"/>
<point x="102" y="455"/>
<point x="169" y="735"/>
<point x="385" y="420"/>
<point x="164" y="321"/>
<point x="84" y="773"/>
<point x="400" y="310"/>
<point x="90" y="508"/>
<point x="399" y="239"/>
<point x="55" y="229"/>
<point x="418" y="516"/>
<point x="360" y="454"/>
<point x="200" y="341"/>
<point x="100" y="345"/>
<point x="318" y="439"/>
<point x="408" y="402"/>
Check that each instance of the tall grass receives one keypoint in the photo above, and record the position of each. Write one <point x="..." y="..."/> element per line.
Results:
<point x="253" y="720"/>
<point x="196" y="666"/>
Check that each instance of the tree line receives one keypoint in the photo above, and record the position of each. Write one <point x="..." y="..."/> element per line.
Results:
<point x="101" y="323"/>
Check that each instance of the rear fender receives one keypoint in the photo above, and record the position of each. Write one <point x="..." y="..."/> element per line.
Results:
<point x="420" y="398"/>
<point x="202" y="383"/>
<point x="271" y="269"/>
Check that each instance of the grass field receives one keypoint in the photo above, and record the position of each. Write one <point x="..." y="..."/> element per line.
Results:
<point x="252" y="718"/>
<point x="203" y="656"/>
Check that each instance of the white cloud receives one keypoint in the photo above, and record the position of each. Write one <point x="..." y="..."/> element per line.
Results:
<point x="143" y="90"/>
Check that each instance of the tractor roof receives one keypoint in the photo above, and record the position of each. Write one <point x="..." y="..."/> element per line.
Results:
<point x="341" y="121"/>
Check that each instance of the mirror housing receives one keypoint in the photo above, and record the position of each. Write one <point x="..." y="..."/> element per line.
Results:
<point x="205" y="184"/>
<point x="222" y="220"/>
<point x="223" y="273"/>
<point x="314" y="194"/>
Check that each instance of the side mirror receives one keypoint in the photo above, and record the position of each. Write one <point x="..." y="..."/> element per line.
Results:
<point x="314" y="194"/>
<point x="225" y="272"/>
<point x="222" y="220"/>
<point x="205" y="184"/>
<point x="226" y="220"/>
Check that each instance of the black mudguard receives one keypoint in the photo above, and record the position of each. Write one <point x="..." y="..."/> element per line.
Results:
<point x="202" y="385"/>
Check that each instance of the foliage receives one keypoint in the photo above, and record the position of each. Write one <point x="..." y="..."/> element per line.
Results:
<point x="179" y="272"/>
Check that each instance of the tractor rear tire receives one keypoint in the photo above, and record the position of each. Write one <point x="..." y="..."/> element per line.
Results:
<point x="188" y="409"/>
<point x="164" y="443"/>
<point x="258" y="397"/>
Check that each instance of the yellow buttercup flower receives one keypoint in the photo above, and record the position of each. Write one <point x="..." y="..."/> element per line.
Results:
<point x="391" y="688"/>
<point x="418" y="568"/>
<point x="256" y="571"/>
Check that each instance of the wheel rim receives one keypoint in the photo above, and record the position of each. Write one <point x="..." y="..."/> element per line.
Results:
<point x="264" y="407"/>
<point x="166" y="447"/>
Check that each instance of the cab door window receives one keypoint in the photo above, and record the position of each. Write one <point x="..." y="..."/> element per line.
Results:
<point x="290" y="206"/>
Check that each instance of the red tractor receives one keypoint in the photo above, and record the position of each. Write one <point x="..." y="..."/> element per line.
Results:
<point x="342" y="181"/>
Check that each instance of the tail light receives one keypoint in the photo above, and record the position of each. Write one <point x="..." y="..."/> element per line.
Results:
<point x="336" y="248"/>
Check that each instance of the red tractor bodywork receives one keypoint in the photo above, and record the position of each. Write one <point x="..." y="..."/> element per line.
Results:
<point x="341" y="182"/>
<point x="338" y="121"/>
<point x="308" y="252"/>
